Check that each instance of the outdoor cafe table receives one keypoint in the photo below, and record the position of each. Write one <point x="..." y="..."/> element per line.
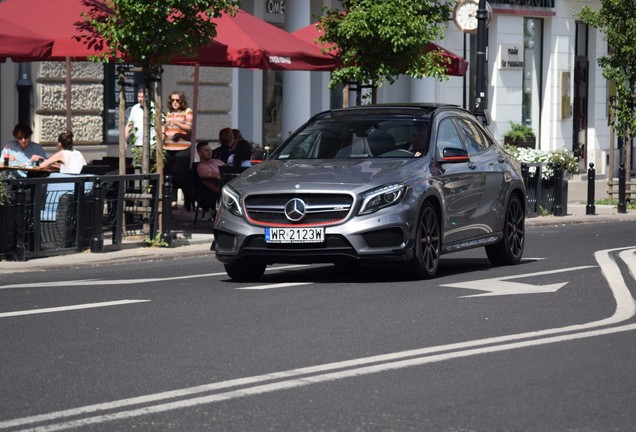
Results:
<point x="31" y="171"/>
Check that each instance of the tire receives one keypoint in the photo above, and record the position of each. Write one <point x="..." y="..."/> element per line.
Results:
<point x="427" y="247"/>
<point x="245" y="270"/>
<point x="510" y="249"/>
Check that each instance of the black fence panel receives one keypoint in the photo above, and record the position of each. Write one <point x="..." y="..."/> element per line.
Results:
<point x="541" y="191"/>
<point x="57" y="215"/>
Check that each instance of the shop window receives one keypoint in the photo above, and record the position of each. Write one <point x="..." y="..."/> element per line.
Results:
<point x="532" y="83"/>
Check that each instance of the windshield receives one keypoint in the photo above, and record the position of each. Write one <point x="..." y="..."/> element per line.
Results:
<point x="357" y="138"/>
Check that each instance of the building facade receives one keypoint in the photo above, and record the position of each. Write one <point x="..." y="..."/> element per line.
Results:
<point x="541" y="71"/>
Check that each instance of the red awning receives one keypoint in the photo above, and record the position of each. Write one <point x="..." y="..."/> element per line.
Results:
<point x="19" y="42"/>
<point x="243" y="41"/>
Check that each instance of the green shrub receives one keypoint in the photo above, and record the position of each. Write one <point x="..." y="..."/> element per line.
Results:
<point x="519" y="131"/>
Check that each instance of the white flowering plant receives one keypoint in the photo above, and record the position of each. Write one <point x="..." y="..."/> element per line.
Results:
<point x="548" y="159"/>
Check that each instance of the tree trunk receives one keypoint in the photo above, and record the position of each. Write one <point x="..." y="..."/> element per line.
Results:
<point x="628" y="153"/>
<point x="121" y="124"/>
<point x="158" y="133"/>
<point x="145" y="147"/>
<point x="345" y="96"/>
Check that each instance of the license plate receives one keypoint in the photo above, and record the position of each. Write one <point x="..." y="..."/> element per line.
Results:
<point x="294" y="235"/>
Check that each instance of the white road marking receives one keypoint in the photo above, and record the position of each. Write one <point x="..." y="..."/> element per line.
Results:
<point x="69" y="308"/>
<point x="625" y="309"/>
<point x="271" y="387"/>
<point x="272" y="286"/>
<point x="500" y="286"/>
<point x="94" y="282"/>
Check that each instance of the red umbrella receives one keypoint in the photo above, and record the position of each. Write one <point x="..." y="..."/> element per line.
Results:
<point x="18" y="42"/>
<point x="57" y="20"/>
<point x="255" y="44"/>
<point x="457" y="67"/>
<point x="242" y="41"/>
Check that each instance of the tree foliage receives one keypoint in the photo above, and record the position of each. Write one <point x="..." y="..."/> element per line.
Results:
<point x="379" y="40"/>
<point x="151" y="33"/>
<point x="617" y="22"/>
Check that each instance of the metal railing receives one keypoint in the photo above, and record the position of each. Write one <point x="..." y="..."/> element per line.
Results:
<point x="67" y="214"/>
<point x="524" y="3"/>
<point x="545" y="194"/>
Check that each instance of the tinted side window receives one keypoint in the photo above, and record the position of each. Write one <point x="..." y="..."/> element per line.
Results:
<point x="474" y="137"/>
<point x="447" y="136"/>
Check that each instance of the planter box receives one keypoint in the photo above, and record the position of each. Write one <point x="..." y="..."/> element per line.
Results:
<point x="530" y="142"/>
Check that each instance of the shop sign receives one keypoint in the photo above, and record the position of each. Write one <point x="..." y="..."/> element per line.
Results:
<point x="510" y="56"/>
<point x="275" y="11"/>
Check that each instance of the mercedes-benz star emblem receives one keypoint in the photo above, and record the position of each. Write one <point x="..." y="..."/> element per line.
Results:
<point x="295" y="209"/>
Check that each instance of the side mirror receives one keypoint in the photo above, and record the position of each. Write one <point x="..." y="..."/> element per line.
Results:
<point x="454" y="155"/>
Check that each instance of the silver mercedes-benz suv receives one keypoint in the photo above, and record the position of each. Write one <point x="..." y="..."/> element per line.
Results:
<point x="376" y="183"/>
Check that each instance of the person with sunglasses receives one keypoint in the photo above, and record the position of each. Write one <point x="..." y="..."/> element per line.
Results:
<point x="178" y="126"/>
<point x="21" y="150"/>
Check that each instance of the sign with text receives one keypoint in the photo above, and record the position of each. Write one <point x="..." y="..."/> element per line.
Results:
<point x="510" y="56"/>
<point x="275" y="11"/>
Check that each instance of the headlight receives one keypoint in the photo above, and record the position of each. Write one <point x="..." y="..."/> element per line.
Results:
<point x="383" y="196"/>
<point x="231" y="201"/>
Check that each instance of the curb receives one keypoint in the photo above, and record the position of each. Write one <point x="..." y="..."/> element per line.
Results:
<point x="198" y="244"/>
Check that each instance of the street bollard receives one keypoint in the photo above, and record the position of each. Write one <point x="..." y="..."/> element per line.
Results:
<point x="622" y="205"/>
<point x="19" y="253"/>
<point x="559" y="207"/>
<point x="166" y="219"/>
<point x="590" y="209"/>
<point x="97" y="235"/>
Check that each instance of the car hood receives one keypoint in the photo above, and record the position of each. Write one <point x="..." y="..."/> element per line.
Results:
<point x="319" y="174"/>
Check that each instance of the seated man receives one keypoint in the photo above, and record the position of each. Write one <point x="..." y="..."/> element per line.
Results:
<point x="21" y="150"/>
<point x="210" y="178"/>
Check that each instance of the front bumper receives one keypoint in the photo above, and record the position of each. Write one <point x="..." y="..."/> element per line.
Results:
<point x="380" y="237"/>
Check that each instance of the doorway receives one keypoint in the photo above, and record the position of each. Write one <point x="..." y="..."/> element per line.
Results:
<point x="580" y="102"/>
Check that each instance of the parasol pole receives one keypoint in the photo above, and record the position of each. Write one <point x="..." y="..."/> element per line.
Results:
<point x="195" y="108"/>
<point x="69" y="124"/>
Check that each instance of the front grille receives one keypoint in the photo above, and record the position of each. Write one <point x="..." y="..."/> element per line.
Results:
<point x="321" y="209"/>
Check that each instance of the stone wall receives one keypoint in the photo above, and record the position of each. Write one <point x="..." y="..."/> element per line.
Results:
<point x="87" y="102"/>
<point x="214" y="100"/>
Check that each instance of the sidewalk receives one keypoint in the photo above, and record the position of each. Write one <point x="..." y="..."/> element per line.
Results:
<point x="191" y="241"/>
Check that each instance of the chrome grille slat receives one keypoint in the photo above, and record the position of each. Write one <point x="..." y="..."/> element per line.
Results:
<point x="320" y="208"/>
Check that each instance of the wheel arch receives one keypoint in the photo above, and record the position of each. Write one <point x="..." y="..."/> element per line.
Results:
<point x="519" y="192"/>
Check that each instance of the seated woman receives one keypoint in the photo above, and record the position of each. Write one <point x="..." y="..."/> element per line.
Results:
<point x="68" y="160"/>
<point x="242" y="156"/>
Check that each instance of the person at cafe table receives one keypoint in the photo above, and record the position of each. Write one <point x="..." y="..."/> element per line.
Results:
<point x="68" y="160"/>
<point x="22" y="151"/>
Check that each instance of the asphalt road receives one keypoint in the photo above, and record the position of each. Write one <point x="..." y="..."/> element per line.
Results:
<point x="173" y="344"/>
